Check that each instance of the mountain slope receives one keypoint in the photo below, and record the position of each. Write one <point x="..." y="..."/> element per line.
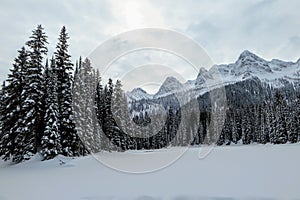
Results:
<point x="276" y="73"/>
<point x="138" y="94"/>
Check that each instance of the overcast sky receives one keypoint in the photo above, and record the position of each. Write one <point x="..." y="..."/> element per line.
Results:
<point x="224" y="28"/>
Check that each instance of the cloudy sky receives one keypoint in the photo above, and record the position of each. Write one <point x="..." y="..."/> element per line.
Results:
<point x="224" y="28"/>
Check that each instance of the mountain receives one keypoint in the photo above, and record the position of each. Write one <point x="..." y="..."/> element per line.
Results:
<point x="169" y="86"/>
<point x="138" y="94"/>
<point x="276" y="73"/>
<point x="252" y="100"/>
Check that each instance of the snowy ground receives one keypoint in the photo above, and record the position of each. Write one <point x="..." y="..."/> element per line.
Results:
<point x="231" y="172"/>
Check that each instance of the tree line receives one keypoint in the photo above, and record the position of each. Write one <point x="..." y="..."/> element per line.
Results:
<point x="48" y="107"/>
<point x="36" y="103"/>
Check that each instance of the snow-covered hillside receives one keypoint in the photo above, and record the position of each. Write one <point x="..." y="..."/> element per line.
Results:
<point x="248" y="65"/>
<point x="235" y="172"/>
<point x="138" y="94"/>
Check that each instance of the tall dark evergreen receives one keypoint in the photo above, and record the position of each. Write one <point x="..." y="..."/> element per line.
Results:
<point x="51" y="139"/>
<point x="11" y="109"/>
<point x="31" y="116"/>
<point x="2" y="106"/>
<point x="281" y="135"/>
<point x="71" y="144"/>
<point x="100" y="114"/>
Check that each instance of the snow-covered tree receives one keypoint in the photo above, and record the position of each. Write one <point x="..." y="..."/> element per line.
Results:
<point x="12" y="107"/>
<point x="71" y="144"/>
<point x="30" y="128"/>
<point x="84" y="92"/>
<point x="281" y="135"/>
<point x="2" y="106"/>
<point x="51" y="139"/>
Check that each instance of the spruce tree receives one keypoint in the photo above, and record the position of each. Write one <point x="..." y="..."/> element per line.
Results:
<point x="11" y="107"/>
<point x="30" y="128"/>
<point x="100" y="110"/>
<point x="2" y="106"/>
<point x="71" y="144"/>
<point x="51" y="140"/>
<point x="84" y="92"/>
<point x="117" y="113"/>
<point x="233" y="126"/>
<point x="281" y="135"/>
<point x="293" y="121"/>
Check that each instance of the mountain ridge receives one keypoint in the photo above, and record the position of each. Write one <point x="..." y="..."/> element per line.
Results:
<point x="248" y="65"/>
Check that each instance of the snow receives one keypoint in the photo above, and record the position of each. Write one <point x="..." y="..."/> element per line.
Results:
<point x="138" y="94"/>
<point x="169" y="86"/>
<point x="247" y="66"/>
<point x="234" y="172"/>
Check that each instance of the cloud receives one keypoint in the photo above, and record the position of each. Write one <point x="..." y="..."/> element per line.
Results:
<point x="260" y="26"/>
<point x="292" y="44"/>
<point x="223" y="27"/>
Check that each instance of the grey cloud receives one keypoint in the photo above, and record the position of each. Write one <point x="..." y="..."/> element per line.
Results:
<point x="260" y="26"/>
<point x="83" y="19"/>
<point x="223" y="27"/>
<point x="290" y="45"/>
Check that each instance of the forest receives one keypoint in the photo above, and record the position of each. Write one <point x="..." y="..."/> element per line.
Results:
<point x="49" y="105"/>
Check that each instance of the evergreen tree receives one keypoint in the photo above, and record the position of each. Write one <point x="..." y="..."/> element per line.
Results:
<point x="281" y="135"/>
<point x="265" y="125"/>
<point x="100" y="114"/>
<point x="234" y="129"/>
<point x="51" y="140"/>
<point x="11" y="102"/>
<point x="34" y="82"/>
<point x="71" y="144"/>
<point x="30" y="126"/>
<point x="293" y="122"/>
<point x="97" y="131"/>
<point x="118" y="111"/>
<point x="84" y="106"/>
<point x="246" y="126"/>
<point x="2" y="107"/>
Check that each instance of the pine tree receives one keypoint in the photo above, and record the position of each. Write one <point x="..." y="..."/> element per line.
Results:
<point x="84" y="106"/>
<point x="2" y="107"/>
<point x="117" y="111"/>
<point x="234" y="129"/>
<point x="293" y="122"/>
<point x="100" y="103"/>
<point x="34" y="79"/>
<point x="108" y="125"/>
<point x="246" y="126"/>
<point x="97" y="131"/>
<point x="30" y="128"/>
<point x="51" y="140"/>
<point x="71" y="144"/>
<point x="11" y="102"/>
<point x="281" y="135"/>
<point x="297" y="116"/>
<point x="265" y="124"/>
<point x="100" y="114"/>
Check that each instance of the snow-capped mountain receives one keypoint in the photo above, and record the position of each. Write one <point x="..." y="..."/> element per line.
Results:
<point x="248" y="65"/>
<point x="169" y="86"/>
<point x="138" y="94"/>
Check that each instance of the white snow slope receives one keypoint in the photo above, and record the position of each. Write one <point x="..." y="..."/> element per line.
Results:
<point x="248" y="65"/>
<point x="230" y="172"/>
